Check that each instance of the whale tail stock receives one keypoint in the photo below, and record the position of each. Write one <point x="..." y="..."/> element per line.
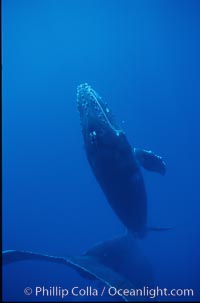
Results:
<point x="144" y="233"/>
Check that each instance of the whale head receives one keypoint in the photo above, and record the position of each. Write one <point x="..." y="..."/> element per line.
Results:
<point x="97" y="121"/>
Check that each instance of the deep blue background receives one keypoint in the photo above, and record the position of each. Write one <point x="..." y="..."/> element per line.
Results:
<point x="142" y="57"/>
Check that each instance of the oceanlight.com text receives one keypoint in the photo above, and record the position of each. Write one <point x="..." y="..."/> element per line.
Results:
<point x="89" y="291"/>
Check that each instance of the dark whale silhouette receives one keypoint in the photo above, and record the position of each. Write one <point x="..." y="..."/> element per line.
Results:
<point x="117" y="263"/>
<point x="115" y="164"/>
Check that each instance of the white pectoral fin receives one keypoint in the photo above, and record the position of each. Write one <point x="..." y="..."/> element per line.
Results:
<point x="150" y="161"/>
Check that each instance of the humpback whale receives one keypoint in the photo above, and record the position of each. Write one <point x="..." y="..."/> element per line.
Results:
<point x="117" y="263"/>
<point x="114" y="162"/>
<point x="116" y="165"/>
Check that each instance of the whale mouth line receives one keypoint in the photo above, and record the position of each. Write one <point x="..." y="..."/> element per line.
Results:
<point x="92" y="97"/>
<point x="117" y="131"/>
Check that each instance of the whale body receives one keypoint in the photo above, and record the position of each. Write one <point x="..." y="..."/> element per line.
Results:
<point x="116" y="263"/>
<point x="114" y="162"/>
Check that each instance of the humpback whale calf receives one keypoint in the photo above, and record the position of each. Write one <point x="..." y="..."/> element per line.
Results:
<point x="115" y="163"/>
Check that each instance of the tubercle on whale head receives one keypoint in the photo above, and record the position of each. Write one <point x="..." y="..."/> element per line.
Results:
<point x="97" y="121"/>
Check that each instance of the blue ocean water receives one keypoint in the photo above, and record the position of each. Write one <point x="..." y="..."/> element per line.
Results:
<point x="142" y="57"/>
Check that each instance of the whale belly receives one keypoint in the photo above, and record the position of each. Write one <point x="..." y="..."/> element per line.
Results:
<point x="124" y="189"/>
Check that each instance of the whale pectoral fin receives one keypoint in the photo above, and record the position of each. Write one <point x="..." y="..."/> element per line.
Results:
<point x="150" y="160"/>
